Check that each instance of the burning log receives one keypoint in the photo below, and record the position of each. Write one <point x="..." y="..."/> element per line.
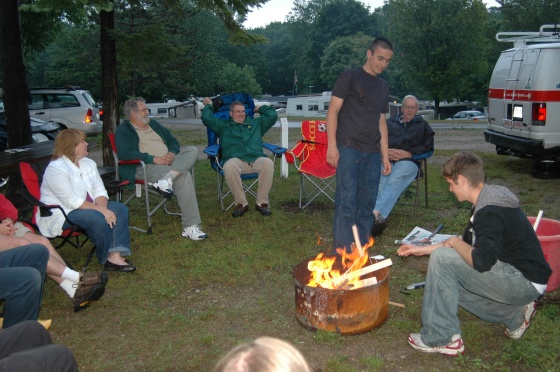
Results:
<point x="342" y="282"/>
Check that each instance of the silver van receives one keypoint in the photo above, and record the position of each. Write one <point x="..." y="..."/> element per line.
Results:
<point x="524" y="96"/>
<point x="70" y="107"/>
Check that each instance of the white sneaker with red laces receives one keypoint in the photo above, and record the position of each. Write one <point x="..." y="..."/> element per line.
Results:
<point x="454" y="348"/>
<point x="530" y="312"/>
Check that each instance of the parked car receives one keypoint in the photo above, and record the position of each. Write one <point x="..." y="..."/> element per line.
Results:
<point x="41" y="130"/>
<point x="469" y="115"/>
<point x="70" y="107"/>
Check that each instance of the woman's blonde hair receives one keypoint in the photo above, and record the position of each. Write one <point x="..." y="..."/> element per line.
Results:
<point x="264" y="354"/>
<point x="65" y="143"/>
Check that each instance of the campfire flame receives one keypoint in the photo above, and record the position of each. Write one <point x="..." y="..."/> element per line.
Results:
<point x="325" y="276"/>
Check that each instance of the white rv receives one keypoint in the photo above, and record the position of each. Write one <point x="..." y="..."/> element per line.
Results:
<point x="524" y="96"/>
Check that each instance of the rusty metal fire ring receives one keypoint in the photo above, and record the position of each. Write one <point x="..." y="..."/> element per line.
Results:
<point x="347" y="312"/>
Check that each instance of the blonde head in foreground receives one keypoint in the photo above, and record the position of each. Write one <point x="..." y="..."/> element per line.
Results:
<point x="265" y="354"/>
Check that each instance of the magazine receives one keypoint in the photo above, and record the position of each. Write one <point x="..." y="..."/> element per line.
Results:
<point x="420" y="236"/>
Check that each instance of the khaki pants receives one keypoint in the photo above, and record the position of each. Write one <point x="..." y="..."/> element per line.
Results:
<point x="183" y="185"/>
<point x="235" y="167"/>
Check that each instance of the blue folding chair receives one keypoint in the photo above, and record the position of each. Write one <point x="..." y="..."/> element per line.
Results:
<point x="221" y="110"/>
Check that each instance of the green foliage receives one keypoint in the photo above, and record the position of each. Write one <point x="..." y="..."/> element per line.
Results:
<point x="232" y="78"/>
<point x="335" y="19"/>
<point x="528" y="15"/>
<point x="342" y="54"/>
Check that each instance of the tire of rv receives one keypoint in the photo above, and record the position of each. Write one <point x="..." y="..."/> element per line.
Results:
<point x="545" y="169"/>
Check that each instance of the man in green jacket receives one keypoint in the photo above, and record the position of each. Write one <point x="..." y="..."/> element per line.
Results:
<point x="241" y="144"/>
<point x="168" y="165"/>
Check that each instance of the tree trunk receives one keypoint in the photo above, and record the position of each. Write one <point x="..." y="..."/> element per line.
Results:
<point x="109" y="86"/>
<point x="14" y="83"/>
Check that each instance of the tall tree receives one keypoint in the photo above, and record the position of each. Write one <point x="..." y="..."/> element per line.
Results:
<point x="529" y="15"/>
<point x="434" y="53"/>
<point x="336" y="19"/>
<point x="16" y="92"/>
<point x="342" y="54"/>
<point x="109" y="81"/>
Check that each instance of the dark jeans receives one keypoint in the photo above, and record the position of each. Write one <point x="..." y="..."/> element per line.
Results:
<point x="105" y="239"/>
<point x="28" y="347"/>
<point x="22" y="275"/>
<point x="357" y="181"/>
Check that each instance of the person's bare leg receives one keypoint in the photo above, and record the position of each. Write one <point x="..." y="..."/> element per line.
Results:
<point x="56" y="265"/>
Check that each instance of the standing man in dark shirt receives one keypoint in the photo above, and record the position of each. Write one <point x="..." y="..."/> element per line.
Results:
<point x="409" y="135"/>
<point x="357" y="135"/>
<point x="495" y="271"/>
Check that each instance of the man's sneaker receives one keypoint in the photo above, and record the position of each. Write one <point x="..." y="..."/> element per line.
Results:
<point x="530" y="312"/>
<point x="164" y="186"/>
<point x="89" y="279"/>
<point x="194" y="232"/>
<point x="454" y="348"/>
<point x="85" y="295"/>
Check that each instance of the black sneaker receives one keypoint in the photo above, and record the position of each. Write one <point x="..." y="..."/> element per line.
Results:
<point x="378" y="226"/>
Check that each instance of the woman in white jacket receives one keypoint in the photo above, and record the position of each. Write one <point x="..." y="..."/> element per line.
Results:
<point x="72" y="181"/>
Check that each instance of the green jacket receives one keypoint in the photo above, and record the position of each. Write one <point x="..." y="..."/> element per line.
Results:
<point x="127" y="142"/>
<point x="243" y="141"/>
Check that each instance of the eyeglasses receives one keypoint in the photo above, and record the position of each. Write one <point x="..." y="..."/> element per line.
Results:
<point x="407" y="107"/>
<point x="238" y="111"/>
<point x="144" y="110"/>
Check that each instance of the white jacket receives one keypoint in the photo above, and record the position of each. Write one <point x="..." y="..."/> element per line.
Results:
<point x="67" y="185"/>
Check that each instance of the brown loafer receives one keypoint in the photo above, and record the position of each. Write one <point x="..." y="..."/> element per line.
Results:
<point x="240" y="210"/>
<point x="263" y="209"/>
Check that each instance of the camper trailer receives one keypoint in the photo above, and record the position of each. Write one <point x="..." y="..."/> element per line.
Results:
<point x="524" y="97"/>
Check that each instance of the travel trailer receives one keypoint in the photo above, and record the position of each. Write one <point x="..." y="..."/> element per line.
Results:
<point x="524" y="98"/>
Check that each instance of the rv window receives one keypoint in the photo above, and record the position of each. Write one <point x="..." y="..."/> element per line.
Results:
<point x="326" y="105"/>
<point x="162" y="110"/>
<point x="313" y="107"/>
<point x="518" y="112"/>
<point x="299" y="107"/>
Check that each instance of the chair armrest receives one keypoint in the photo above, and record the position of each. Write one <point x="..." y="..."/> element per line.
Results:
<point x="275" y="149"/>
<point x="130" y="162"/>
<point x="212" y="150"/>
<point x="425" y="155"/>
<point x="44" y="209"/>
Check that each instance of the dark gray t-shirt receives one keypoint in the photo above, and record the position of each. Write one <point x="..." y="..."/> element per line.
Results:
<point x="365" y="97"/>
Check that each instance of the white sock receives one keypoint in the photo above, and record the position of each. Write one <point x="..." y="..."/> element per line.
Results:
<point x="171" y="174"/>
<point x="71" y="275"/>
<point x="69" y="286"/>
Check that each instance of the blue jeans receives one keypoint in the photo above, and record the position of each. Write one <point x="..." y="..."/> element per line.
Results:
<point x="496" y="296"/>
<point x="391" y="186"/>
<point x="105" y="239"/>
<point x="22" y="275"/>
<point x="357" y="179"/>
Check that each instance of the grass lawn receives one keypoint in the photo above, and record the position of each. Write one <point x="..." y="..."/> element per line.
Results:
<point x="190" y="302"/>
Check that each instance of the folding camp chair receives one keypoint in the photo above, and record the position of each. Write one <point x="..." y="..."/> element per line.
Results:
<point x="422" y="162"/>
<point x="221" y="110"/>
<point x="317" y="177"/>
<point x="140" y="184"/>
<point x="32" y="178"/>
